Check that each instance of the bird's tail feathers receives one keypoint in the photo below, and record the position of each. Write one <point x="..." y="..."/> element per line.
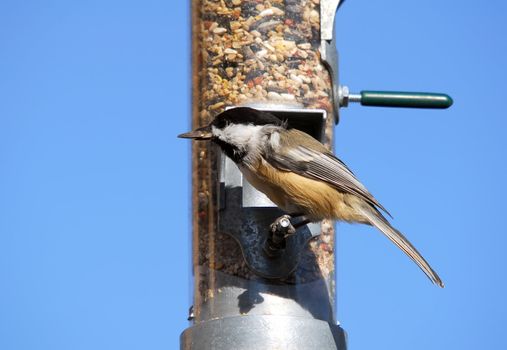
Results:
<point x="376" y="219"/>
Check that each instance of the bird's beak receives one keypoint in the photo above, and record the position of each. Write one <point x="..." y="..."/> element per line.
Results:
<point x="203" y="133"/>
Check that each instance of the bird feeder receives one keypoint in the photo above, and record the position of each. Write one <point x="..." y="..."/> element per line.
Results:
<point x="277" y="56"/>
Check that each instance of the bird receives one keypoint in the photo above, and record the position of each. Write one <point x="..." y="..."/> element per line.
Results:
<point x="299" y="174"/>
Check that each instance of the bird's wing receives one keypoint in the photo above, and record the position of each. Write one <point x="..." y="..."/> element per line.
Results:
<point x="302" y="154"/>
<point x="311" y="159"/>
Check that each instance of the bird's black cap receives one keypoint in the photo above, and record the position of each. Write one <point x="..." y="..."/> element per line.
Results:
<point x="245" y="115"/>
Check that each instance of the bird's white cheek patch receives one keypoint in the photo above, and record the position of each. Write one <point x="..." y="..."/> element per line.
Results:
<point x="238" y="134"/>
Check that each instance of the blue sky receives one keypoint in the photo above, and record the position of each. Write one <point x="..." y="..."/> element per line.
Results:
<point x="95" y="187"/>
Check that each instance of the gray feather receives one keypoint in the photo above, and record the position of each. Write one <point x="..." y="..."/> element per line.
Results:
<point x="376" y="219"/>
<point x="300" y="153"/>
<point x="311" y="159"/>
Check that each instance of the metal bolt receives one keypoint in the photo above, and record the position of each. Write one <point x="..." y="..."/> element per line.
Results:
<point x="285" y="222"/>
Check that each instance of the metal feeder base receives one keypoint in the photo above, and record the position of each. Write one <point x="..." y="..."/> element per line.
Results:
<point x="263" y="332"/>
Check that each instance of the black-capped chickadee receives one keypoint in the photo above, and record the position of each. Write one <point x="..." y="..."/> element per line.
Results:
<point x="299" y="174"/>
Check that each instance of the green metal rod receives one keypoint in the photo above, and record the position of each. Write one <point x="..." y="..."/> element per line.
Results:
<point x="405" y="99"/>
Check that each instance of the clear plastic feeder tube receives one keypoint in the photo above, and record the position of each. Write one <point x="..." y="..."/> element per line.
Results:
<point x="255" y="53"/>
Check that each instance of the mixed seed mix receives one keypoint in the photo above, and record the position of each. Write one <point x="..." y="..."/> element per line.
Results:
<point x="244" y="52"/>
